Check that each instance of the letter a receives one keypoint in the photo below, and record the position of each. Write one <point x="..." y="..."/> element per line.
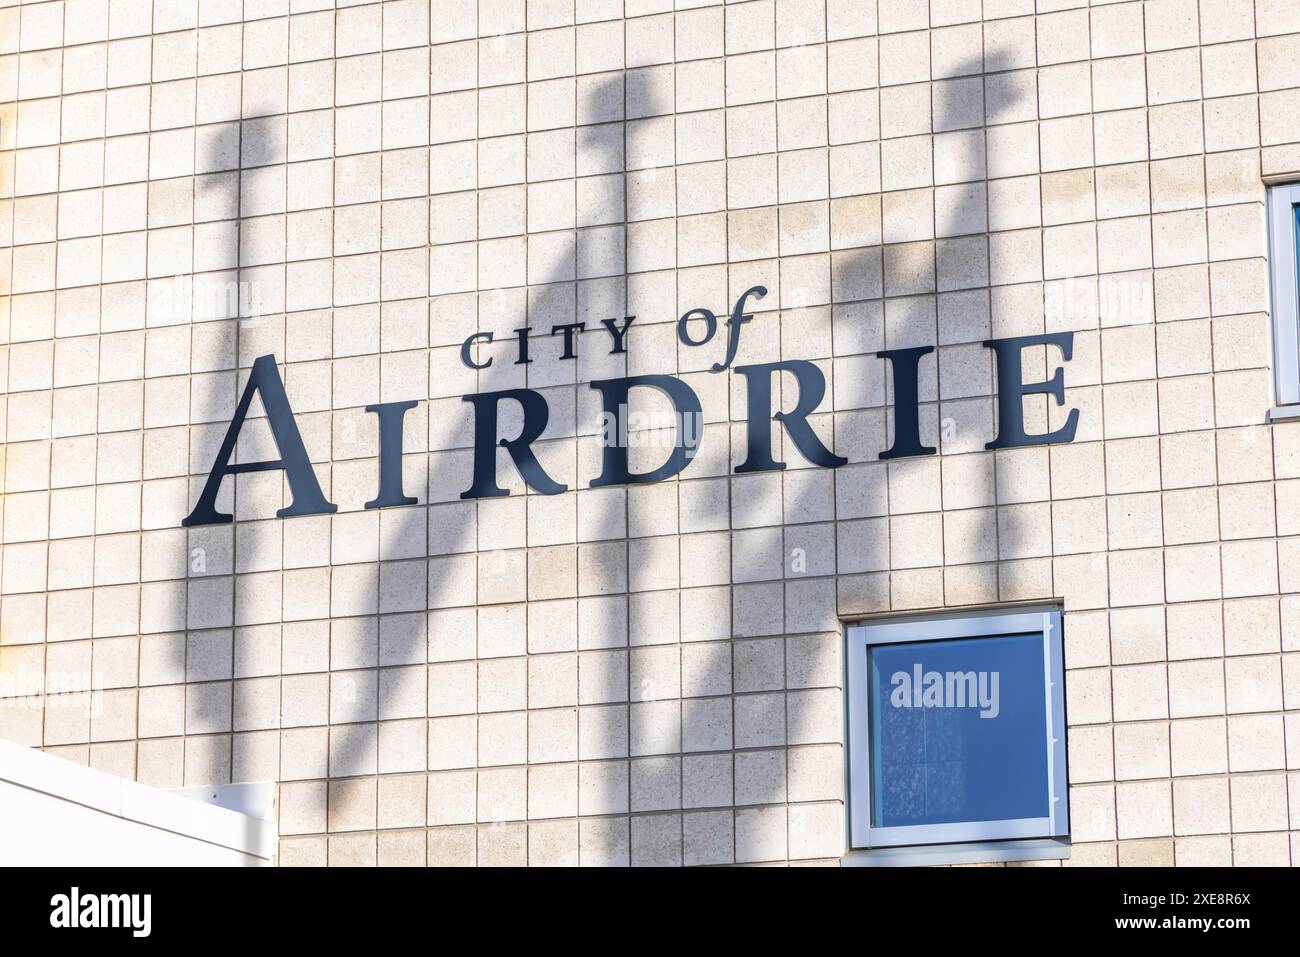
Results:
<point x="307" y="497"/>
<point x="59" y="915"/>
<point x="901" y="696"/>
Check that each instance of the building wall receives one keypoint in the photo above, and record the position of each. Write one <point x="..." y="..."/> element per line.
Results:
<point x="648" y="674"/>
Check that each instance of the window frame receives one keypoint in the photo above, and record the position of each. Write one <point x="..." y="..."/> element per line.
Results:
<point x="1284" y="290"/>
<point x="1007" y="839"/>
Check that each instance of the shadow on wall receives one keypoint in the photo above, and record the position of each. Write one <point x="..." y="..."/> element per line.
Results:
<point x="356" y="637"/>
<point x="8" y="117"/>
<point x="230" y="326"/>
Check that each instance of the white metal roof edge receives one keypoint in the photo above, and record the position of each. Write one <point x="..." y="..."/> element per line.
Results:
<point x="155" y="807"/>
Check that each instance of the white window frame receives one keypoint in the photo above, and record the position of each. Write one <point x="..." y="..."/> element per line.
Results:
<point x="1285" y="294"/>
<point x="1018" y="839"/>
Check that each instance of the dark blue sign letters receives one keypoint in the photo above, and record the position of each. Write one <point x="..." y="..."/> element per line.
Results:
<point x="307" y="499"/>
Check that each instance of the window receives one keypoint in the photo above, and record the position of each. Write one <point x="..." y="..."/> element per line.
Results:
<point x="956" y="736"/>
<point x="1284" y="224"/>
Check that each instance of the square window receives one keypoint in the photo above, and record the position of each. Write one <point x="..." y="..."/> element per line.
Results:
<point x="1284" y="228"/>
<point x="956" y="732"/>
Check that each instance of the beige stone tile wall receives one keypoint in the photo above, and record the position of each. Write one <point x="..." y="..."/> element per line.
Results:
<point x="644" y="675"/>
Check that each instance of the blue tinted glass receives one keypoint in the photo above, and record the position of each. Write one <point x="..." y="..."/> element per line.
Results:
<point x="958" y="731"/>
